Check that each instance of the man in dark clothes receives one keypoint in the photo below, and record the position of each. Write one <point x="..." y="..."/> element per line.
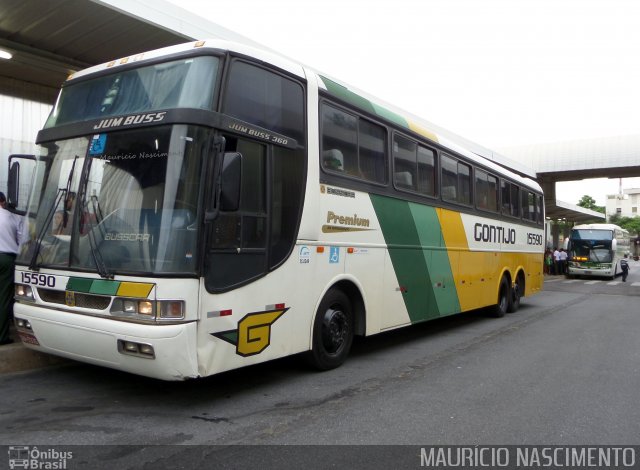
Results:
<point x="624" y="265"/>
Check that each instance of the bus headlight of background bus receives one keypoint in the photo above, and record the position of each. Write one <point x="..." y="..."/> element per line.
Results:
<point x="148" y="309"/>
<point x="24" y="292"/>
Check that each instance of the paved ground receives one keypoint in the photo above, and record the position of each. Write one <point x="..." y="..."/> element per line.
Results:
<point x="15" y="357"/>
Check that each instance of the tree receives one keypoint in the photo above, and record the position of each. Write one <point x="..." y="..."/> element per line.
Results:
<point x="632" y="224"/>
<point x="590" y="203"/>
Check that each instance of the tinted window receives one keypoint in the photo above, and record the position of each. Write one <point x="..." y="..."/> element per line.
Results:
<point x="540" y="209"/>
<point x="286" y="200"/>
<point x="486" y="191"/>
<point x="238" y="239"/>
<point x="372" y="144"/>
<point x="339" y="141"/>
<point x="265" y="99"/>
<point x="414" y="166"/>
<point x="426" y="171"/>
<point x="353" y="146"/>
<point x="456" y="180"/>
<point x="510" y="199"/>
<point x="405" y="172"/>
<point x="185" y="83"/>
<point x="528" y="205"/>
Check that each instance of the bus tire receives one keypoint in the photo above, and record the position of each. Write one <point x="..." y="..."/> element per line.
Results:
<point x="332" y="331"/>
<point x="516" y="294"/>
<point x="499" y="309"/>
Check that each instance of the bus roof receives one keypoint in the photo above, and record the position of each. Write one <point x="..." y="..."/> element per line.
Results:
<point x="598" y="227"/>
<point x="334" y="87"/>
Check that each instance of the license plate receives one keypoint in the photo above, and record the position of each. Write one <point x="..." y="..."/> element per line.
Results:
<point x="28" y="338"/>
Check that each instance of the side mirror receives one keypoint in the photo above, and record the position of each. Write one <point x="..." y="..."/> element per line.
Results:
<point x="230" y="182"/>
<point x="13" y="183"/>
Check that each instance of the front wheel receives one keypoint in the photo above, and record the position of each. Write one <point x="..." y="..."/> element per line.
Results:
<point x="332" y="331"/>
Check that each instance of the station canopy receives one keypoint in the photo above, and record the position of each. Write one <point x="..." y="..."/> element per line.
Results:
<point x="51" y="39"/>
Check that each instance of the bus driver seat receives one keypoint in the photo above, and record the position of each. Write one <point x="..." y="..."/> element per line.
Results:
<point x="333" y="160"/>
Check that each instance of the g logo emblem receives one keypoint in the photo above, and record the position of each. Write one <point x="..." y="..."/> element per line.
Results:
<point x="254" y="332"/>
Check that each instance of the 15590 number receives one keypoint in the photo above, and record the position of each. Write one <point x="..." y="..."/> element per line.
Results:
<point x="36" y="279"/>
<point x="534" y="239"/>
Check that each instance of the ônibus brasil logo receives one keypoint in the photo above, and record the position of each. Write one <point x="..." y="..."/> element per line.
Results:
<point x="32" y="458"/>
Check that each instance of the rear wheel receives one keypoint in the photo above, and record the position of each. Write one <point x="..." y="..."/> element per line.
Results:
<point x="332" y="331"/>
<point x="499" y="309"/>
<point x="516" y="294"/>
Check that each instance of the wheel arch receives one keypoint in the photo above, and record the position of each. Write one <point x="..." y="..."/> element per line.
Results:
<point x="354" y="291"/>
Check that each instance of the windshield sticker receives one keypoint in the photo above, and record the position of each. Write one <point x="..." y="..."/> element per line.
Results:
<point x="136" y="156"/>
<point x="98" y="143"/>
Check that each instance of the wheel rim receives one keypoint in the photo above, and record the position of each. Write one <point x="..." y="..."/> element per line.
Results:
<point x="335" y="328"/>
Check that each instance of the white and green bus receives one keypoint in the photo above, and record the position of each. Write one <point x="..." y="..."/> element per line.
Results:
<point x="209" y="206"/>
<point x="596" y="250"/>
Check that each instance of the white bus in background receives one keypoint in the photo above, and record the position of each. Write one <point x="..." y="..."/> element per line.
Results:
<point x="596" y="250"/>
<point x="210" y="206"/>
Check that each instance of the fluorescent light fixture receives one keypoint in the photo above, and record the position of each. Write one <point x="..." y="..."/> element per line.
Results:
<point x="5" y="55"/>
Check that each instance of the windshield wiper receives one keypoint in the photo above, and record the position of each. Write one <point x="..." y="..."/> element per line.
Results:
<point x="66" y="191"/>
<point x="93" y="244"/>
<point x="33" y="263"/>
<point x="97" y="256"/>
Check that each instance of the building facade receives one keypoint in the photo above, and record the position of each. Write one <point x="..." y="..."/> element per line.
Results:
<point x="625" y="204"/>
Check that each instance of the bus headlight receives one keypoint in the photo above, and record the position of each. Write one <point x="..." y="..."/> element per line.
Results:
<point x="148" y="309"/>
<point x="24" y="292"/>
<point x="145" y="307"/>
<point x="173" y="309"/>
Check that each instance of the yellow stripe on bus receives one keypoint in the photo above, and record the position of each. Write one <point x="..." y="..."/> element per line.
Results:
<point x="135" y="289"/>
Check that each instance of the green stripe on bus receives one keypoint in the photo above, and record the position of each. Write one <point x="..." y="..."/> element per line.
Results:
<point x="79" y="284"/>
<point x="390" y="116"/>
<point x="435" y="253"/>
<point x="104" y="287"/>
<point x="354" y="99"/>
<point x="347" y="95"/>
<point x="414" y="239"/>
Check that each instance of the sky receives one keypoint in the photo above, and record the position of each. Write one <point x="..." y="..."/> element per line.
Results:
<point x="501" y="73"/>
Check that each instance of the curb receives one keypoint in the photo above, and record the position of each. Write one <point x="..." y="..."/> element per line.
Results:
<point x="16" y="357"/>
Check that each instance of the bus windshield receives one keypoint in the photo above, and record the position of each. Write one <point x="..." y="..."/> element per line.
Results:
<point x="123" y="202"/>
<point x="591" y="234"/>
<point x="185" y="83"/>
<point x="592" y="245"/>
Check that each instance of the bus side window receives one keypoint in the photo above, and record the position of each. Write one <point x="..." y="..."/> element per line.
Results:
<point x="339" y="140"/>
<point x="266" y="99"/>
<point x="372" y="162"/>
<point x="353" y="145"/>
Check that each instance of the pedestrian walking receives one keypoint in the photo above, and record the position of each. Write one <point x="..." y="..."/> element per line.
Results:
<point x="624" y="265"/>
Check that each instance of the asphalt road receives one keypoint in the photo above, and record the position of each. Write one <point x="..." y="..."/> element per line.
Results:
<point x="562" y="370"/>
